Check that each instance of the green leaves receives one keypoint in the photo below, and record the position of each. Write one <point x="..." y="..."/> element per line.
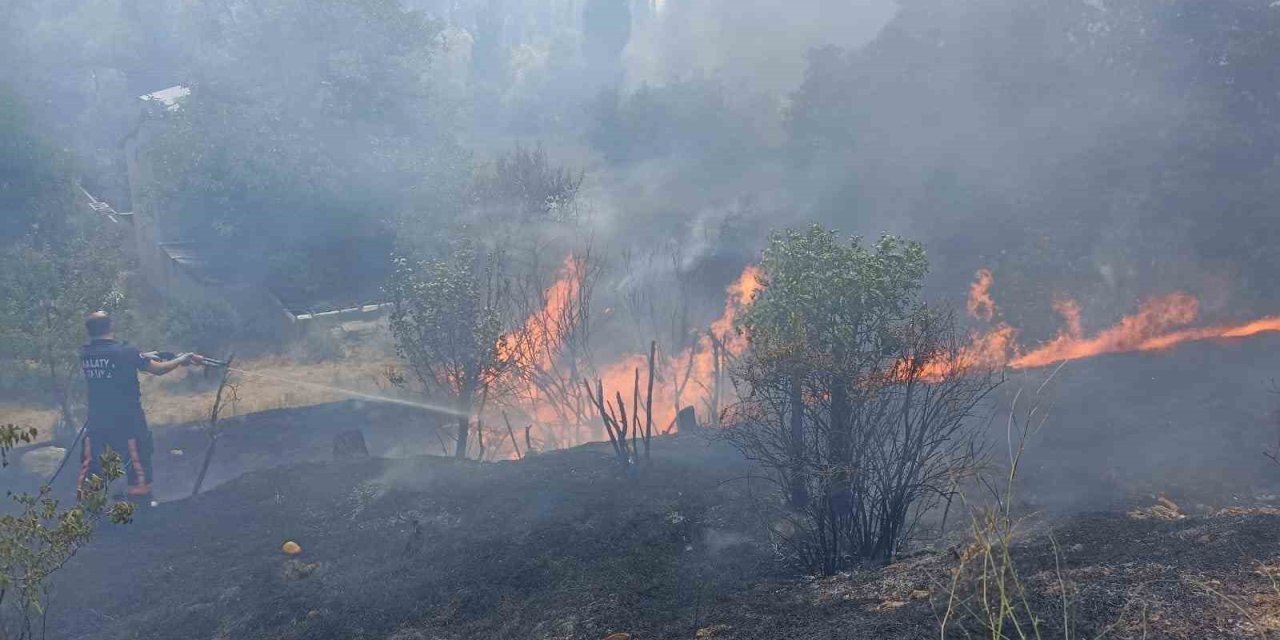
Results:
<point x="47" y="286"/>
<point x="448" y="317"/>
<point x="823" y="296"/>
<point x="41" y="536"/>
<point x="10" y="437"/>
<point x="850" y="397"/>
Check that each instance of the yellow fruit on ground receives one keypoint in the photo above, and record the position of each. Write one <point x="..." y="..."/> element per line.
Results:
<point x="292" y="548"/>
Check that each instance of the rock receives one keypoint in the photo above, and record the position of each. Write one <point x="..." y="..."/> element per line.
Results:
<point x="295" y="570"/>
<point x="42" y="461"/>
<point x="350" y="445"/>
<point x="687" y="421"/>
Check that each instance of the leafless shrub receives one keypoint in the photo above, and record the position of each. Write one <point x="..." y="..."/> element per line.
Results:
<point x="621" y="425"/>
<point x="551" y="350"/>
<point x="662" y="304"/>
<point x="527" y="187"/>
<point x="227" y="393"/>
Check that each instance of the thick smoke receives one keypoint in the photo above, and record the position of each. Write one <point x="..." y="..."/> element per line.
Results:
<point x="1097" y="150"/>
<point x="1105" y="152"/>
<point x="757" y="44"/>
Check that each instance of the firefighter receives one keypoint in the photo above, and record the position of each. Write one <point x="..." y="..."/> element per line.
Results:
<point x="116" y="421"/>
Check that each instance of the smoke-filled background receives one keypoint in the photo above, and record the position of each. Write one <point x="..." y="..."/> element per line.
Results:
<point x="1100" y="151"/>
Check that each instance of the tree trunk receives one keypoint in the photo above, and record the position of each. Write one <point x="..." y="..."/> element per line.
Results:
<point x="59" y="392"/>
<point x="840" y="489"/>
<point x="464" y="433"/>
<point x="464" y="420"/>
<point x="799" y="489"/>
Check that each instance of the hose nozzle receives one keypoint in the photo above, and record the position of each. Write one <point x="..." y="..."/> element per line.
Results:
<point x="161" y="356"/>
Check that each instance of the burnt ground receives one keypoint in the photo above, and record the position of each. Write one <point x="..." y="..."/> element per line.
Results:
<point x="259" y="441"/>
<point x="564" y="546"/>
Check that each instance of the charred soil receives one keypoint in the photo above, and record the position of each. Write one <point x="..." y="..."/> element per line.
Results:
<point x="565" y="546"/>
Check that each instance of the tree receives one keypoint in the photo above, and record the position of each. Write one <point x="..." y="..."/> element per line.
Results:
<point x="853" y="394"/>
<point x="450" y="320"/>
<point x="46" y="289"/>
<point x="551" y="349"/>
<point x="56" y="263"/>
<point x="525" y="186"/>
<point x="523" y="201"/>
<point x="663" y="305"/>
<point x="40" y="536"/>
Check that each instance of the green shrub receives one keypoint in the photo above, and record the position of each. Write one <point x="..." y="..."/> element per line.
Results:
<point x="40" y="536"/>
<point x="205" y="326"/>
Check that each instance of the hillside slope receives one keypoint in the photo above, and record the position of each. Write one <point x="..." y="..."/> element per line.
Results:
<point x="562" y="546"/>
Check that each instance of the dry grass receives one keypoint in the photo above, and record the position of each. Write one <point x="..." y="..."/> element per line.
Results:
<point x="186" y="395"/>
<point x="987" y="594"/>
<point x="28" y="416"/>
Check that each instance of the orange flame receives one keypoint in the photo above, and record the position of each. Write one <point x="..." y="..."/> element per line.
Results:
<point x="980" y="305"/>
<point x="681" y="379"/>
<point x="1160" y="323"/>
<point x="537" y="345"/>
<point x="1156" y="317"/>
<point x="689" y="377"/>
<point x="537" y="342"/>
<point x="741" y="293"/>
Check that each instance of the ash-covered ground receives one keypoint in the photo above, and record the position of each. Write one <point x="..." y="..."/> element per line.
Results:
<point x="1174" y="533"/>
<point x="564" y="545"/>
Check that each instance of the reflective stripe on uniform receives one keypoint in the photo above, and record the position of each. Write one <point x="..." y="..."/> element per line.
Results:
<point x="138" y="481"/>
<point x="86" y="458"/>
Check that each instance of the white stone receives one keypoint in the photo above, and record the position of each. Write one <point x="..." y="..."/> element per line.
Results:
<point x="42" y="461"/>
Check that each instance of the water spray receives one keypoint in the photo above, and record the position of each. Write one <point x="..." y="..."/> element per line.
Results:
<point x="339" y="390"/>
<point x="224" y="364"/>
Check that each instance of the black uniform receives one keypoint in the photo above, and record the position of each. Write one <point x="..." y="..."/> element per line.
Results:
<point x="115" y="419"/>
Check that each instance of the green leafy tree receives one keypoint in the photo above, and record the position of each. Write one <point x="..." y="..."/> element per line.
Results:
<point x="205" y="326"/>
<point x="45" y="291"/>
<point x="40" y="536"/>
<point x="57" y="264"/>
<point x="12" y="436"/>
<point x="853" y="393"/>
<point x="449" y="320"/>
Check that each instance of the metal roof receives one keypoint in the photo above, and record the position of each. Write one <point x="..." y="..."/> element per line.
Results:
<point x="168" y="97"/>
